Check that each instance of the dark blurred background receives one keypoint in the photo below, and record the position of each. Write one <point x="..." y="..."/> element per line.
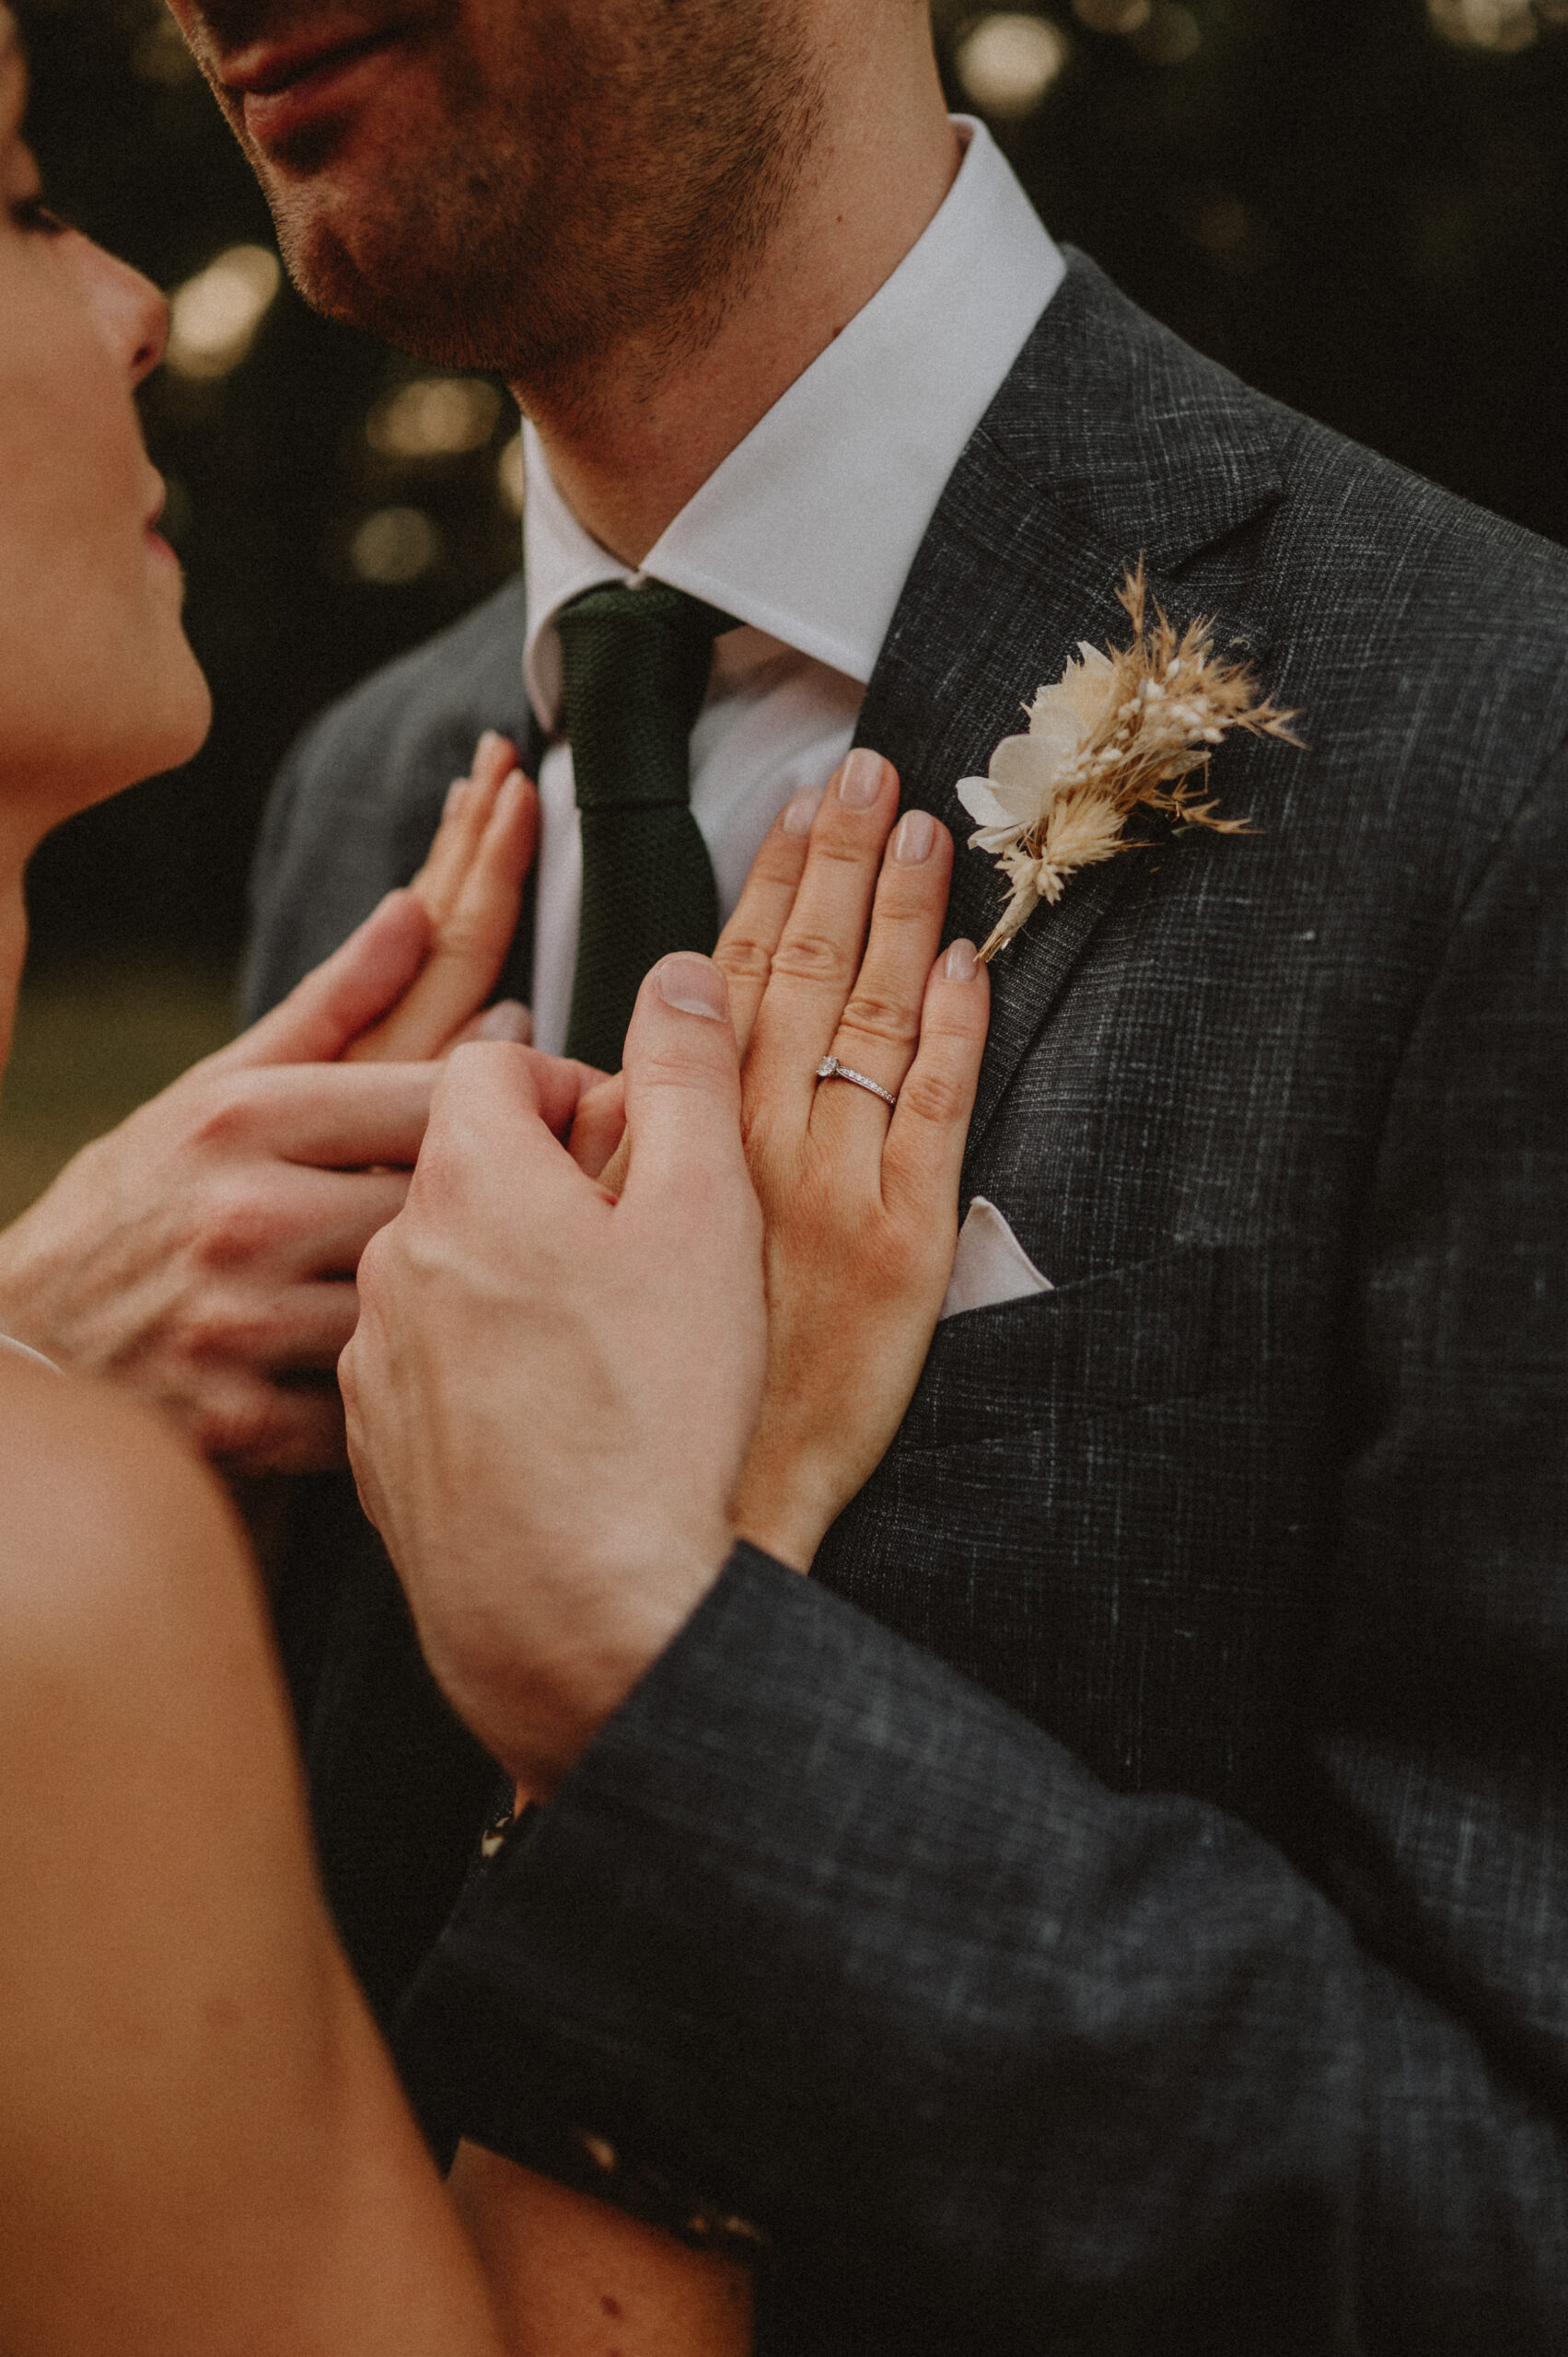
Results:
<point x="1360" y="205"/>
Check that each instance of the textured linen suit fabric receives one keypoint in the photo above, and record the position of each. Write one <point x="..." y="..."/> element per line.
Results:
<point x="1172" y="1952"/>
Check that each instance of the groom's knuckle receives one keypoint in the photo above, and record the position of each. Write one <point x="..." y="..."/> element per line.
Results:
<point x="677" y="1065"/>
<point x="450" y="1150"/>
<point x="373" y="1284"/>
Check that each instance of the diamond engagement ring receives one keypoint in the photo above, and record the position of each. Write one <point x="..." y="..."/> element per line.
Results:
<point x="831" y="1069"/>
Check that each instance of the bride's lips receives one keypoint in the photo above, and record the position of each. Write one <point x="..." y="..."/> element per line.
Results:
<point x="284" y="86"/>
<point x="157" y="544"/>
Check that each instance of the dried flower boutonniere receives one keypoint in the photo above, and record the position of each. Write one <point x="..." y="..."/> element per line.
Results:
<point x="1118" y="732"/>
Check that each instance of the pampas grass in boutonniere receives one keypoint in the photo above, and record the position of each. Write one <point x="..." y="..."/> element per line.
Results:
<point x="1132" y="729"/>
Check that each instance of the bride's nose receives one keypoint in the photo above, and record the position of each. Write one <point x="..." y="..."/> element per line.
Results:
<point x="129" y="312"/>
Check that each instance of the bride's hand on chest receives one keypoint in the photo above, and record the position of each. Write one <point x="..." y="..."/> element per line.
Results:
<point x="832" y="953"/>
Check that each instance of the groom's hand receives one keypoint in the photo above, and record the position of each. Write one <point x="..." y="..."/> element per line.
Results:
<point x="204" y="1251"/>
<point x="550" y="1393"/>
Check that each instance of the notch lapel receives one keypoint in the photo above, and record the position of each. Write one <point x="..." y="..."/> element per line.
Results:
<point x="1109" y="439"/>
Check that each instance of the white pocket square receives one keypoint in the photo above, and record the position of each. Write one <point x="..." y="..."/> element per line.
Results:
<point x="990" y="1265"/>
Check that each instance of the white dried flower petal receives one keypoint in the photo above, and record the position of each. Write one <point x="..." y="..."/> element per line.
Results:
<point x="1104" y="740"/>
<point x="981" y="801"/>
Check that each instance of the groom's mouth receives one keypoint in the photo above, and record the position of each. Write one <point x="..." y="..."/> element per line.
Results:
<point x="284" y="87"/>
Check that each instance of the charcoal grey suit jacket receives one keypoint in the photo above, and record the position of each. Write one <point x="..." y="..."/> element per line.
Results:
<point x="1121" y="1900"/>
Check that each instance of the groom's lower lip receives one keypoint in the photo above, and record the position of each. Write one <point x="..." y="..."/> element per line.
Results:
<point x="284" y="94"/>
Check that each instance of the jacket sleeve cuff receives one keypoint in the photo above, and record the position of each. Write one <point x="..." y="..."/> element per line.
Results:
<point x="499" y="2041"/>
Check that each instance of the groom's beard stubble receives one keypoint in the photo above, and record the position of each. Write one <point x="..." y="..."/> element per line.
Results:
<point x="547" y="186"/>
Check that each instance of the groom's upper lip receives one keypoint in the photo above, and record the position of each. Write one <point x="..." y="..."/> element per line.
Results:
<point x="263" y="67"/>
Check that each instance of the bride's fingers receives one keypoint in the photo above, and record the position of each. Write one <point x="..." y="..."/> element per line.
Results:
<point x="471" y="938"/>
<point x="847" y="840"/>
<point x="507" y="1019"/>
<point x="880" y="1028"/>
<point x="746" y="946"/>
<point x="819" y="952"/>
<point x="470" y="802"/>
<point x="924" y="1152"/>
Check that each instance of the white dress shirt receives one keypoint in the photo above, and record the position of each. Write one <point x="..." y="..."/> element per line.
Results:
<point x="805" y="533"/>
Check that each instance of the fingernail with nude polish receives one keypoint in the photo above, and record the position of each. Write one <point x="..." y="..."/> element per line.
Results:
<point x="912" y="837"/>
<point x="961" y="964"/>
<point x="693" y="986"/>
<point x="799" y="813"/>
<point x="486" y="746"/>
<point x="507" y="1019"/>
<point x="860" y="780"/>
<point x="455" y="794"/>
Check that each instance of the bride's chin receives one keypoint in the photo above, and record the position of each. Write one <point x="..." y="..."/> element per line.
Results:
<point x="163" y="732"/>
<point x="191" y="724"/>
<point x="178" y="728"/>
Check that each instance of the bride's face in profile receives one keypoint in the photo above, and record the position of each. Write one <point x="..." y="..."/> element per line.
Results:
<point x="98" y="686"/>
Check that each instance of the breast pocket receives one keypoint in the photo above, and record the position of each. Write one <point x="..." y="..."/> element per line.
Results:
<point x="1156" y="1329"/>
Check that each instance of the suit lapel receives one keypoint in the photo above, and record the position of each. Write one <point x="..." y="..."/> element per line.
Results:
<point x="1086" y="460"/>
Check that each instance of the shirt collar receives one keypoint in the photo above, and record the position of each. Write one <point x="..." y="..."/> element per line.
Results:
<point x="808" y="530"/>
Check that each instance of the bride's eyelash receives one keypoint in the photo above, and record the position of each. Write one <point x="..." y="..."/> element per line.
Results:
<point x="31" y="213"/>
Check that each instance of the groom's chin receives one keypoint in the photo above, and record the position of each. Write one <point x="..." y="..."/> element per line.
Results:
<point x="370" y="272"/>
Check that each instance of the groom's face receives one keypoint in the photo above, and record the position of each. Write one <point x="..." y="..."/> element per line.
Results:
<point x="514" y="184"/>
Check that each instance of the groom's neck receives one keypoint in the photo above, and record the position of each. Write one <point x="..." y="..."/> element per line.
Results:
<point x="629" y="451"/>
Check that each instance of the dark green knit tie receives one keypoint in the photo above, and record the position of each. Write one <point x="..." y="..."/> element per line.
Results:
<point x="636" y="664"/>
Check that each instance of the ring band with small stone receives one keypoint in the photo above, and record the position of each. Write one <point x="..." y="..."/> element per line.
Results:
<point x="831" y="1069"/>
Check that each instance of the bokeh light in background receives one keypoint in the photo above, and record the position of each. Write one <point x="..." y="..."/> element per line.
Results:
<point x="1491" y="24"/>
<point x="1361" y="205"/>
<point x="212" y="318"/>
<point x="395" y="545"/>
<point x="1006" y="63"/>
<point x="435" y="417"/>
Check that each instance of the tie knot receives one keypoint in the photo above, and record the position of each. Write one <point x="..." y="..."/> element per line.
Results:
<point x="635" y="663"/>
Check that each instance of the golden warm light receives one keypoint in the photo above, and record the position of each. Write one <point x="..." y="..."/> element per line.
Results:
<point x="394" y="546"/>
<point x="215" y="316"/>
<point x="1169" y="35"/>
<point x="1484" y="24"/>
<point x="1007" y="62"/>
<point x="435" y="417"/>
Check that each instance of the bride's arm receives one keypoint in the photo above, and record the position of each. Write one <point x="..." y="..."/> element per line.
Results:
<point x="204" y="2149"/>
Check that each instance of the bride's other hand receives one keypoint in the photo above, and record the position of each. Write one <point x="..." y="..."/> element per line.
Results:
<point x="471" y="888"/>
<point x="861" y="1203"/>
<point x="204" y="1252"/>
<point x="833" y="951"/>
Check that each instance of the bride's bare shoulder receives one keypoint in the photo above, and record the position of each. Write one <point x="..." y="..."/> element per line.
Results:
<point x="105" y="1510"/>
